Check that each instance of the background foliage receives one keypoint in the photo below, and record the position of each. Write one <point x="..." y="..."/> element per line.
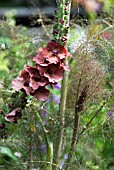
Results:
<point x="22" y="144"/>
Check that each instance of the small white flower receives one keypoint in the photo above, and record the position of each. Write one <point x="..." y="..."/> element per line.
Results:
<point x="3" y="46"/>
<point x="18" y="154"/>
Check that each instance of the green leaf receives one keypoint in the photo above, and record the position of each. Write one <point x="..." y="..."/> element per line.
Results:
<point x="8" y="152"/>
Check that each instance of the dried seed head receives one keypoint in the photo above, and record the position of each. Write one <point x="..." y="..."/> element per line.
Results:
<point x="82" y="98"/>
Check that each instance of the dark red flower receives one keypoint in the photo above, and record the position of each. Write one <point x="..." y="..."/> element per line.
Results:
<point x="22" y="82"/>
<point x="13" y="116"/>
<point x="41" y="57"/>
<point x="56" y="51"/>
<point x="48" y="71"/>
<point x="36" y="79"/>
<point x="41" y="93"/>
<point x="54" y="72"/>
<point x="52" y="53"/>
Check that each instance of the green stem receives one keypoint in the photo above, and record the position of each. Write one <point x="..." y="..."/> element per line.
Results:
<point x="49" y="145"/>
<point x="74" y="137"/>
<point x="61" y="118"/>
<point x="29" y="167"/>
<point x="60" y="17"/>
<point x="75" y="127"/>
<point x="59" y="143"/>
<point x="63" y="16"/>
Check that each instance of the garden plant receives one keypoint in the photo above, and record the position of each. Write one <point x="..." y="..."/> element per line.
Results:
<point x="56" y="90"/>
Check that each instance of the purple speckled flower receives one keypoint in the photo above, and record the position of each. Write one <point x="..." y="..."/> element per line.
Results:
<point x="110" y="113"/>
<point x="57" y="86"/>
<point x="66" y="156"/>
<point x="63" y="161"/>
<point x="56" y="99"/>
<point x="44" y="112"/>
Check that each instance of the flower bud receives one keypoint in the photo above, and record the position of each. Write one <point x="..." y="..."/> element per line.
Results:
<point x="55" y="31"/>
<point x="62" y="21"/>
<point x="64" y="39"/>
<point x="66" y="8"/>
<point x="11" y="105"/>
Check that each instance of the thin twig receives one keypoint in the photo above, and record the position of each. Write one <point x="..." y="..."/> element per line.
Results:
<point x="41" y="20"/>
<point x="75" y="129"/>
<point x="89" y="122"/>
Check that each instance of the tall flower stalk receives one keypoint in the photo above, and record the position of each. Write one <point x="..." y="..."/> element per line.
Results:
<point x="62" y="14"/>
<point x="60" y="33"/>
<point x="51" y="66"/>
